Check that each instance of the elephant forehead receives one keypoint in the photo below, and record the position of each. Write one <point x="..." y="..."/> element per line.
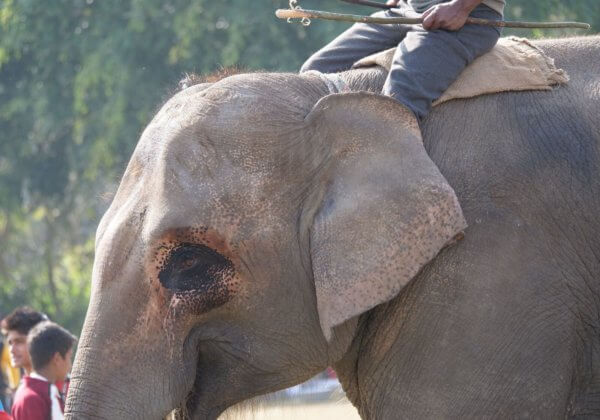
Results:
<point x="198" y="184"/>
<point x="233" y="203"/>
<point x="228" y="148"/>
<point x="243" y="132"/>
<point x="231" y="219"/>
<point x="222" y="157"/>
<point x="282" y="98"/>
<point x="188" y="167"/>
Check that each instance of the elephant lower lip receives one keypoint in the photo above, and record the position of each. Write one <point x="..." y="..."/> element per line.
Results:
<point x="192" y="399"/>
<point x="197" y="405"/>
<point x="193" y="408"/>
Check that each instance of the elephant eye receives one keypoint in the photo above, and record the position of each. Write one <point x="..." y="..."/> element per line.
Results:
<point x="194" y="267"/>
<point x="185" y="260"/>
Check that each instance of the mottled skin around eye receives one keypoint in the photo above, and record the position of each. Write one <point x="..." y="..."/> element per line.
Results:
<point x="190" y="269"/>
<point x="199" y="275"/>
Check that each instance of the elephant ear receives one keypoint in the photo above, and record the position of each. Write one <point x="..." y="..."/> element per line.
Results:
<point x="386" y="210"/>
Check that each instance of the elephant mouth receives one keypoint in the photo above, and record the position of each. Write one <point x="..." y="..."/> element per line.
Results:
<point x="194" y="406"/>
<point x="192" y="401"/>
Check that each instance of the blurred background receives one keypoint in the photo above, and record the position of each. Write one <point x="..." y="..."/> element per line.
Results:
<point x="79" y="80"/>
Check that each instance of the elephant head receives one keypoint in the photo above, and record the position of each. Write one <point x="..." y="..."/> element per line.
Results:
<point x="257" y="219"/>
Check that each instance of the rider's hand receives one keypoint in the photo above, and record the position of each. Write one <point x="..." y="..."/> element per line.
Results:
<point x="451" y="16"/>
<point x="393" y="3"/>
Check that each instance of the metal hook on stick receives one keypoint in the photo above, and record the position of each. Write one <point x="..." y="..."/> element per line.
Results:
<point x="304" y="21"/>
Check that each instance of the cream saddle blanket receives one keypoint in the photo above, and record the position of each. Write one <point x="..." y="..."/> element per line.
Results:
<point x="514" y="64"/>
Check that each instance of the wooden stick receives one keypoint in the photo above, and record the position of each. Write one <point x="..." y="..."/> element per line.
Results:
<point x="316" y="14"/>
<point x="369" y="3"/>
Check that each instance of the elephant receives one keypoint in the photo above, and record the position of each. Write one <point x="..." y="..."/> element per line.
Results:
<point x="226" y="227"/>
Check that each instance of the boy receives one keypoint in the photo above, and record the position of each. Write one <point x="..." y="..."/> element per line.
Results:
<point x="428" y="58"/>
<point x="51" y="348"/>
<point x="16" y="326"/>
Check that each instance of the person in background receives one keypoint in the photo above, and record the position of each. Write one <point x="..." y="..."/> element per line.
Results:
<point x="4" y="390"/>
<point x="10" y="373"/>
<point x="51" y="349"/>
<point x="3" y="414"/>
<point x="15" y="356"/>
<point x="15" y="327"/>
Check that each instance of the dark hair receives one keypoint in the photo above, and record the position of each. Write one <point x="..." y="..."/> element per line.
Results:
<point x="45" y="340"/>
<point x="22" y="320"/>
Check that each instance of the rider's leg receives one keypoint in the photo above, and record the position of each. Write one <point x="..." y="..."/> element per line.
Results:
<point x="360" y="41"/>
<point x="427" y="62"/>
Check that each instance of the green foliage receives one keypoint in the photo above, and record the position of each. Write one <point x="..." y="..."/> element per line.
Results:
<point x="554" y="10"/>
<point x="79" y="79"/>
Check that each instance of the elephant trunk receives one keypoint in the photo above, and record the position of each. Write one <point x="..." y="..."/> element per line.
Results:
<point x="88" y="400"/>
<point x="97" y="389"/>
<point x="122" y="371"/>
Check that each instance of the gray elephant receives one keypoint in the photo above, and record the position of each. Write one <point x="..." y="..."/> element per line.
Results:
<point x="229" y="264"/>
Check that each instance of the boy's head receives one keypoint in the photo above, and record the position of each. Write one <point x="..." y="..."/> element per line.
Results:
<point x="51" y="347"/>
<point x="16" y="326"/>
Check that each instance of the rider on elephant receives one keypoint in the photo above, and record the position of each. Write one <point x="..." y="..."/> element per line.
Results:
<point x="428" y="58"/>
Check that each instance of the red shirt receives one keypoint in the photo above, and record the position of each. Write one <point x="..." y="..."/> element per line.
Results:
<point x="32" y="400"/>
<point x="63" y="388"/>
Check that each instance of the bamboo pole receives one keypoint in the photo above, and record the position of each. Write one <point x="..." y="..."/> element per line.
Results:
<point x="369" y="3"/>
<point x="316" y="14"/>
